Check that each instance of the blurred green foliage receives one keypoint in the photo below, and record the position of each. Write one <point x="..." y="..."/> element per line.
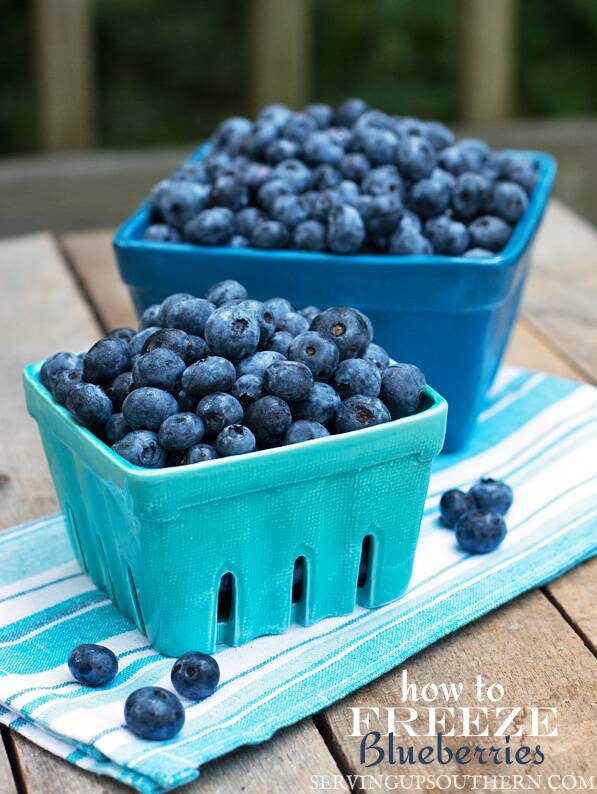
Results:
<point x="167" y="72"/>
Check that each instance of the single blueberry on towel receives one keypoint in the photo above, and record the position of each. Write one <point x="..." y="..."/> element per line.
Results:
<point x="92" y="665"/>
<point x="195" y="675"/>
<point x="480" y="532"/>
<point x="453" y="505"/>
<point x="154" y="713"/>
<point x="490" y="494"/>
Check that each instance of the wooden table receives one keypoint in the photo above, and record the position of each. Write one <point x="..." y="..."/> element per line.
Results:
<point x="62" y="293"/>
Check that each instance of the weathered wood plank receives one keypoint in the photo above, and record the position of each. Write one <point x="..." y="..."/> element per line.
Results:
<point x="7" y="782"/>
<point x="44" y="311"/>
<point x="561" y="296"/>
<point x="528" y="648"/>
<point x="576" y="595"/>
<point x="529" y="350"/>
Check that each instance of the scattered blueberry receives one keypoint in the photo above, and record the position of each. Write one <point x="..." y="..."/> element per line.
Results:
<point x="93" y="665"/>
<point x="154" y="713"/>
<point x="453" y="505"/>
<point x="493" y="495"/>
<point x="195" y="675"/>
<point x="480" y="532"/>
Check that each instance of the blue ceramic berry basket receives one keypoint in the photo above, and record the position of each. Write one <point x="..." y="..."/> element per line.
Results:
<point x="452" y="316"/>
<point x="160" y="541"/>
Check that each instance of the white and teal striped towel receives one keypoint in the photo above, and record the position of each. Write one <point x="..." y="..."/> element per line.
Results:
<point x="537" y="432"/>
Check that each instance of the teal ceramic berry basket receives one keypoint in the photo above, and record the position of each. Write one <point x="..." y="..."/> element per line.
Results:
<point x="159" y="542"/>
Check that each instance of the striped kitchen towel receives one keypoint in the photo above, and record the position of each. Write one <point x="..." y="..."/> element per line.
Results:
<point x="537" y="432"/>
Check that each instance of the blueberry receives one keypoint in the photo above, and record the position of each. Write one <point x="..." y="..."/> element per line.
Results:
<point x="490" y="494"/>
<point x="416" y="158"/>
<point x="304" y="430"/>
<point x="265" y="318"/>
<point x="255" y="175"/>
<point x="309" y="236"/>
<point x="319" y="149"/>
<point x="124" y="332"/>
<point x="429" y="197"/>
<point x="281" y="149"/>
<point x="181" y="431"/>
<point x="195" y="675"/>
<point x="218" y="410"/>
<point x="247" y="389"/>
<point x="478" y="253"/>
<point x="310" y="312"/>
<point x="479" y="532"/>
<point x="231" y="192"/>
<point x="263" y="134"/>
<point x="293" y="323"/>
<point x="276" y="114"/>
<point x="357" y="376"/>
<point x="453" y="505"/>
<point x="471" y="196"/>
<point x="64" y="382"/>
<point x="141" y="448"/>
<point x="324" y="177"/>
<point x="347" y="328"/>
<point x="116" y="428"/>
<point x="348" y="192"/>
<point x="271" y="190"/>
<point x="410" y="242"/>
<point x="321" y="204"/>
<point x="232" y="133"/>
<point x="89" y="404"/>
<point x="452" y="160"/>
<point x="198" y="453"/>
<point x="169" y="303"/>
<point x="233" y="331"/>
<point x="213" y="226"/>
<point x="293" y="173"/>
<point x="289" y="210"/>
<point x="290" y="380"/>
<point x="160" y="367"/>
<point x="154" y="713"/>
<point x="170" y="338"/>
<point x="238" y="241"/>
<point x="280" y="342"/>
<point x="197" y="349"/>
<point x="92" y="665"/>
<point x="322" y="114"/>
<point x="208" y="375"/>
<point x="320" y="354"/>
<point x="518" y="168"/>
<point x="186" y="402"/>
<point x="489" y="232"/>
<point x="409" y="221"/>
<point x="447" y="236"/>
<point x="320" y="406"/>
<point x="162" y="233"/>
<point x="355" y="166"/>
<point x="150" y="318"/>
<point x="346" y="231"/>
<point x="402" y="389"/>
<point x="181" y="201"/>
<point x="360" y="411"/>
<point x="269" y="235"/>
<point x="235" y="440"/>
<point x="105" y="360"/>
<point x="475" y="152"/>
<point x="380" y="146"/>
<point x="378" y="356"/>
<point x="226" y="291"/>
<point x="118" y="389"/>
<point x="510" y="201"/>
<point x="278" y="307"/>
<point x="374" y="119"/>
<point x="190" y="172"/>
<point x="147" y="407"/>
<point x="189" y="315"/>
<point x="381" y="180"/>
<point x="439" y="135"/>
<point x="349" y="111"/>
<point x="247" y="219"/>
<point x="382" y="214"/>
<point x="257" y="363"/>
<point x="299" y="126"/>
<point x="269" y="418"/>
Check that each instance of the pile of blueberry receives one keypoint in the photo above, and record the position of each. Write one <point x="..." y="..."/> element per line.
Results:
<point x="151" y="712"/>
<point x="223" y="375"/>
<point x="346" y="180"/>
<point x="477" y="515"/>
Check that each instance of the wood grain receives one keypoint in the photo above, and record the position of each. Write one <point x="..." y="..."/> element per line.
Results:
<point x="526" y="647"/>
<point x="44" y="311"/>
<point x="576" y="596"/>
<point x="7" y="783"/>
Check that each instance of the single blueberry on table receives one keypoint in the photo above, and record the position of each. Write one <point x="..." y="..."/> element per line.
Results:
<point x="280" y="342"/>
<point x="454" y="504"/>
<point x="510" y="201"/>
<point x="170" y="338"/>
<point x="248" y="388"/>
<point x="180" y="431"/>
<point x="226" y="291"/>
<point x="360" y="411"/>
<point x="146" y="408"/>
<point x="160" y="367"/>
<point x="235" y="440"/>
<point x="269" y="418"/>
<point x="64" y="382"/>
<point x="154" y="713"/>
<point x="269" y="235"/>
<point x="181" y="201"/>
<point x="233" y="331"/>
<point x="115" y="429"/>
<point x="293" y="323"/>
<point x="106" y="359"/>
<point x="304" y="430"/>
<point x="290" y="380"/>
<point x="208" y="375"/>
<point x="346" y="231"/>
<point x="89" y="404"/>
<point x="321" y="355"/>
<point x="480" y="532"/>
<point x="347" y="328"/>
<point x="189" y="315"/>
<point x="195" y="675"/>
<point x="141" y="448"/>
<point x="198" y="453"/>
<point x="162" y="233"/>
<point x="92" y="665"/>
<point x="218" y="410"/>
<point x="213" y="226"/>
<point x="150" y="318"/>
<point x="257" y="363"/>
<point x="402" y="389"/>
<point x="357" y="376"/>
<point x="490" y="494"/>
<point x="489" y="232"/>
<point x="319" y="406"/>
